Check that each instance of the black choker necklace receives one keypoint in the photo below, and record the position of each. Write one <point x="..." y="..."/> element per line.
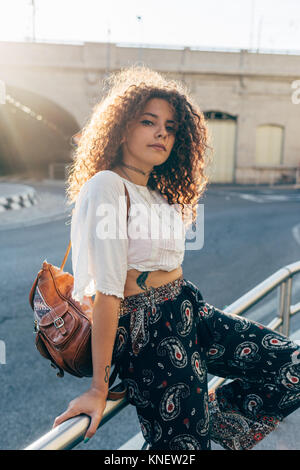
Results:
<point x="136" y="169"/>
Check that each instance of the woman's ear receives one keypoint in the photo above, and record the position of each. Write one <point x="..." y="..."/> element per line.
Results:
<point x="123" y="138"/>
<point x="125" y="132"/>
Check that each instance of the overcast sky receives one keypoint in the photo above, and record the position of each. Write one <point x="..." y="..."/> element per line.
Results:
<point x="264" y="24"/>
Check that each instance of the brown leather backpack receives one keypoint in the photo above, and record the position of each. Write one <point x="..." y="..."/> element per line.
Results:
<point x="63" y="325"/>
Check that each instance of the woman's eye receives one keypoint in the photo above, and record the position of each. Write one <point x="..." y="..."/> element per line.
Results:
<point x="169" y="128"/>
<point x="146" y="121"/>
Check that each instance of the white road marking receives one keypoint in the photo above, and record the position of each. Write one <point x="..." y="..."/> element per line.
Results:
<point x="296" y="233"/>
<point x="250" y="197"/>
<point x="262" y="197"/>
<point x="135" y="443"/>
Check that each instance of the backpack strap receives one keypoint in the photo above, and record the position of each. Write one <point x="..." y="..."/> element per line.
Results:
<point x="127" y="199"/>
<point x="66" y="256"/>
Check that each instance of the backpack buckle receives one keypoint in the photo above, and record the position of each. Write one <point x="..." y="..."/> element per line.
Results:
<point x="58" y="322"/>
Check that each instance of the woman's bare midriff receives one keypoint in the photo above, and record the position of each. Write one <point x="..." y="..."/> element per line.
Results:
<point x="154" y="279"/>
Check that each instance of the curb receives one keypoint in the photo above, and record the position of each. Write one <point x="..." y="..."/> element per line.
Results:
<point x="16" y="196"/>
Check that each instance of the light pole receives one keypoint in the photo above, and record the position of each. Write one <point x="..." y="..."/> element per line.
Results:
<point x="260" y="27"/>
<point x="108" y="51"/>
<point x="139" y="18"/>
<point x="33" y="20"/>
<point x="252" y="23"/>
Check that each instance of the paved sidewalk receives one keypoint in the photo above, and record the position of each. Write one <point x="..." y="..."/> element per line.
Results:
<point x="50" y="203"/>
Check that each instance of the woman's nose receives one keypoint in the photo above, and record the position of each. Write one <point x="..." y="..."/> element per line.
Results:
<point x="162" y="132"/>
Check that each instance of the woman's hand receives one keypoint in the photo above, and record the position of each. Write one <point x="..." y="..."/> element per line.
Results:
<point x="91" y="403"/>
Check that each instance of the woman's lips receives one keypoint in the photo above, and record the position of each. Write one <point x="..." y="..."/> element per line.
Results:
<point x="157" y="147"/>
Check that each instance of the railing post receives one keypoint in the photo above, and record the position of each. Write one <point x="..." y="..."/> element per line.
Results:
<point x="286" y="314"/>
<point x="282" y="291"/>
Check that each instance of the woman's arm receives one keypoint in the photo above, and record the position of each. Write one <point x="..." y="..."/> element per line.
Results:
<point x="104" y="328"/>
<point x="105" y="324"/>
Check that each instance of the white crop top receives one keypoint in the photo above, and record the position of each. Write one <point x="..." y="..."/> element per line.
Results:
<point x="105" y="247"/>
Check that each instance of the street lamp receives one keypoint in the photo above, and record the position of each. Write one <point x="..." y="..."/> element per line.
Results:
<point x="33" y="20"/>
<point x="139" y="18"/>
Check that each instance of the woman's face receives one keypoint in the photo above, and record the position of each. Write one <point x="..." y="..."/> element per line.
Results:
<point x="156" y="125"/>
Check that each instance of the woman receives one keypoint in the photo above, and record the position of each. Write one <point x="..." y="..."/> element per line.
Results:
<point x="147" y="135"/>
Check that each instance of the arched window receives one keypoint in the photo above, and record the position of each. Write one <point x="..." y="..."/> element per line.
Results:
<point x="219" y="115"/>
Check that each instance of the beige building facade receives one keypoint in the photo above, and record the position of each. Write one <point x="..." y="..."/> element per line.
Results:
<point x="251" y="100"/>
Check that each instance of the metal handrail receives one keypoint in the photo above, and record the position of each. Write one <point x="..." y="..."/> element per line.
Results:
<point x="70" y="433"/>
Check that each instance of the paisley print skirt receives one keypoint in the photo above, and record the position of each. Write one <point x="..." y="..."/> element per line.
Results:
<point x="168" y="341"/>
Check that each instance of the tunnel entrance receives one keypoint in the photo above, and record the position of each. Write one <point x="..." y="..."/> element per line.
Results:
<point x="34" y="132"/>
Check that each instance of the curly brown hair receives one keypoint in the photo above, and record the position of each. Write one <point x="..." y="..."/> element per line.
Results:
<point x="181" y="179"/>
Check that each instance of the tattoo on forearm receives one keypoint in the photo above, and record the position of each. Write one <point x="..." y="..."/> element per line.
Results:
<point x="141" y="280"/>
<point x="106" y="378"/>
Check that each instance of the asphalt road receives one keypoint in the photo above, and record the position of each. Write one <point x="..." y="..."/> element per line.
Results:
<point x="245" y="241"/>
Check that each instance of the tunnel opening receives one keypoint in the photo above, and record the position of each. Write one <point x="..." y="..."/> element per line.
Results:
<point x="34" y="133"/>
